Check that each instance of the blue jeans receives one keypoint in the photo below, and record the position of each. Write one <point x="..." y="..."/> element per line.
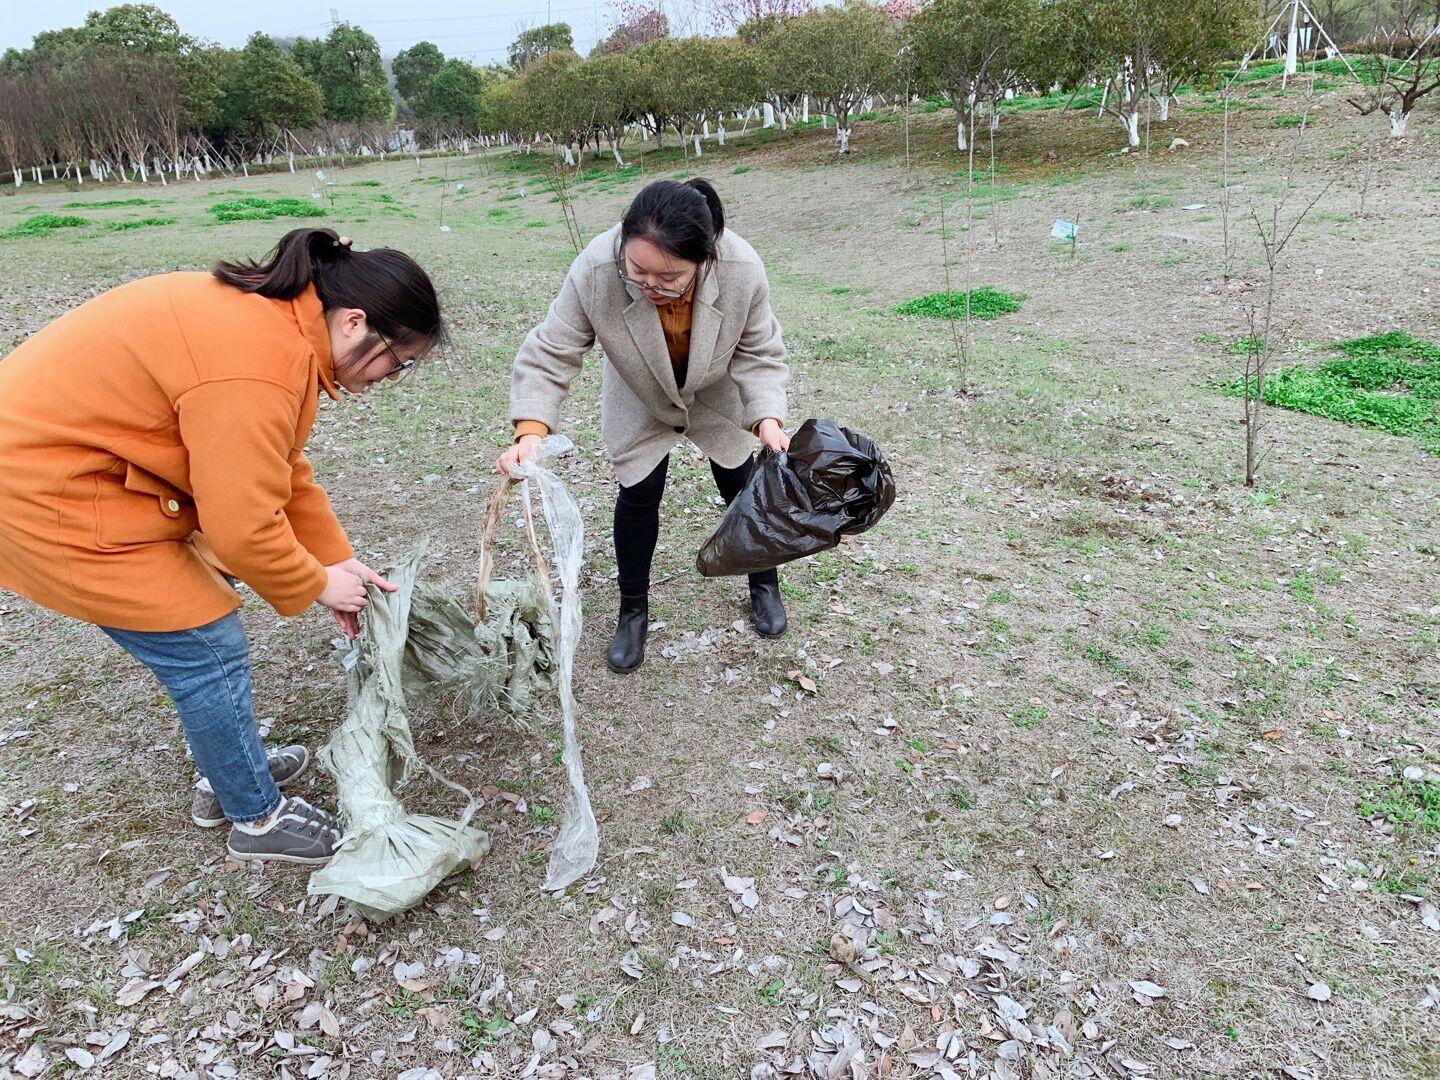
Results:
<point x="207" y="672"/>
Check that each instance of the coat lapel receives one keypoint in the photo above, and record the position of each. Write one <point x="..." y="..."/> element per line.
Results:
<point x="643" y="322"/>
<point x="704" y="327"/>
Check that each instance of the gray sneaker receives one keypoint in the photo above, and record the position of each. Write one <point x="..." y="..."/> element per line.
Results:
<point x="286" y="766"/>
<point x="300" y="833"/>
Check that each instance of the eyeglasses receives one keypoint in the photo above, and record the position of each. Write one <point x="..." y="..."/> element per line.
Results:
<point x="401" y="368"/>
<point x="669" y="294"/>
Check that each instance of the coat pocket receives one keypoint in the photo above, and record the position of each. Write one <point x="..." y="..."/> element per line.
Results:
<point x="134" y="507"/>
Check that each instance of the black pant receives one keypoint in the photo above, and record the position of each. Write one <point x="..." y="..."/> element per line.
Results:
<point x="637" y="522"/>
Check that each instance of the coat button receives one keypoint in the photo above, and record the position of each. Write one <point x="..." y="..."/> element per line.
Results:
<point x="173" y="506"/>
<point x="679" y="429"/>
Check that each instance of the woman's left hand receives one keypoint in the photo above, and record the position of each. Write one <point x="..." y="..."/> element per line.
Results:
<point x="773" y="436"/>
<point x="366" y="575"/>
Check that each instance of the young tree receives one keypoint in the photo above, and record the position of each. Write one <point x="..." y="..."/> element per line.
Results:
<point x="1127" y="46"/>
<point x="532" y="44"/>
<point x="972" y="51"/>
<point x="610" y="84"/>
<point x="839" y="56"/>
<point x="413" y="69"/>
<point x="1403" y="66"/>
<point x="1193" y="37"/>
<point x="347" y="67"/>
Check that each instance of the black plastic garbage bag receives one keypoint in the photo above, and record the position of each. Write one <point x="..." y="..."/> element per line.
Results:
<point x="833" y="482"/>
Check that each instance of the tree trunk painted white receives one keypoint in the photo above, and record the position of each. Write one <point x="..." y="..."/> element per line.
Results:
<point x="1399" y="118"/>
<point x="1164" y="102"/>
<point x="705" y="128"/>
<point x="824" y="122"/>
<point x="994" y="121"/>
<point x="842" y="136"/>
<point x="1292" y="40"/>
<point x="805" y="109"/>
<point x="569" y="157"/>
<point x="1104" y="97"/>
<point x="769" y="113"/>
<point x="1132" y="129"/>
<point x="784" y="119"/>
<point x="615" y="149"/>
<point x="720" y="131"/>
<point x="19" y="179"/>
<point x="698" y="151"/>
<point x="960" y="143"/>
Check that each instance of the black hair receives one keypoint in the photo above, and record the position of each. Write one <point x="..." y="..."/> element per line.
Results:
<point x="684" y="219"/>
<point x="397" y="296"/>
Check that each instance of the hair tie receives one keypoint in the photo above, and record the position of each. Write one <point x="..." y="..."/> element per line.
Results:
<point x="343" y="242"/>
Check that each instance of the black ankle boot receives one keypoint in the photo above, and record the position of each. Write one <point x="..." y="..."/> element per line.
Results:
<point x="627" y="650"/>
<point x="767" y="608"/>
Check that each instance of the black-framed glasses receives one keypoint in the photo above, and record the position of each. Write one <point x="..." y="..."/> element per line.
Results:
<point x="669" y="294"/>
<point x="402" y="367"/>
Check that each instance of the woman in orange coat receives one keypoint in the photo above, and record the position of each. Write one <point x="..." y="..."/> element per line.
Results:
<point x="151" y="445"/>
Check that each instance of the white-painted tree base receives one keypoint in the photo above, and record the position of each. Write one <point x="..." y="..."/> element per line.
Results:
<point x="1399" y="120"/>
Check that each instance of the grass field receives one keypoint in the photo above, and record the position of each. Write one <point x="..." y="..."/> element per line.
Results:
<point x="1111" y="767"/>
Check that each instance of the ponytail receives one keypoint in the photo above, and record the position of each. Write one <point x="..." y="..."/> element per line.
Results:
<point x="684" y="219"/>
<point x="712" y="201"/>
<point x="396" y="295"/>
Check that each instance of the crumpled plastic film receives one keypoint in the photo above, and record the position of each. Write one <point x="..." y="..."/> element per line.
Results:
<point x="390" y="860"/>
<point x="575" y="850"/>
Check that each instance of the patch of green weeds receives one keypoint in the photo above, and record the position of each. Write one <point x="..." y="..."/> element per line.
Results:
<point x="770" y="993"/>
<point x="44" y="225"/>
<point x="140" y="223"/>
<point x="363" y="183"/>
<point x="1389" y="381"/>
<point x="1406" y="804"/>
<point x="257" y="209"/>
<point x="536" y="224"/>
<point x="1029" y="716"/>
<point x="109" y="204"/>
<point x="984" y="303"/>
<point x="1151" y="202"/>
<point x="1289" y="120"/>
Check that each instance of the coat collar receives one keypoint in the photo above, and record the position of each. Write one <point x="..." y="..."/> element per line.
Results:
<point x="704" y="326"/>
<point x="310" y="316"/>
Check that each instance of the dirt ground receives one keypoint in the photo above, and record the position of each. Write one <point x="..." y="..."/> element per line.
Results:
<point x="1100" y="770"/>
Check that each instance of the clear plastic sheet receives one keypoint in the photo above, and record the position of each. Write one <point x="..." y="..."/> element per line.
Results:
<point x="574" y="852"/>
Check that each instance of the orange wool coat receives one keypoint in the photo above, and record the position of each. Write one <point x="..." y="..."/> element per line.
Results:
<point x="170" y="406"/>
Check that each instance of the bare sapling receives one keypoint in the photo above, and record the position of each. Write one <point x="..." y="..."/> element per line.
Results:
<point x="1276" y="230"/>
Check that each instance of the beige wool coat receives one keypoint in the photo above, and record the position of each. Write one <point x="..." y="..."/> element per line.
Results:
<point x="736" y="375"/>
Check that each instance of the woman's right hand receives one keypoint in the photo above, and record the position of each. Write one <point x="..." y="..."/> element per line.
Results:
<point x="344" y="592"/>
<point x="520" y="450"/>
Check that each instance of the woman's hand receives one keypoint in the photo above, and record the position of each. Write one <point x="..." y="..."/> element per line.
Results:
<point x="365" y="574"/>
<point x="345" y="595"/>
<point x="773" y="436"/>
<point x="521" y="450"/>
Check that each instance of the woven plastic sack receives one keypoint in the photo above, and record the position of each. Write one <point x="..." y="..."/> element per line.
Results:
<point x="390" y="860"/>
<point x="832" y="483"/>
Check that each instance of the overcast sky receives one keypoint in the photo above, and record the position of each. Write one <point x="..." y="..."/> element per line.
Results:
<point x="476" y="29"/>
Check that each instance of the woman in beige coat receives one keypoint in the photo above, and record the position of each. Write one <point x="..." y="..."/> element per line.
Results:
<point x="681" y="308"/>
